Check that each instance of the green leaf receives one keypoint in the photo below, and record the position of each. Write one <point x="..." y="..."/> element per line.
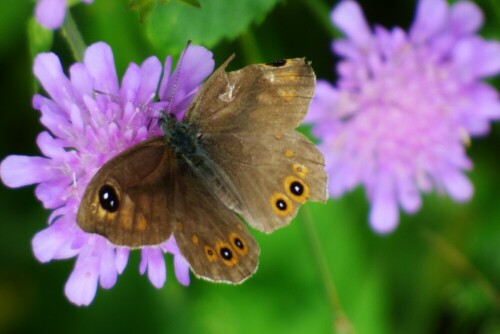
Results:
<point x="144" y="8"/>
<point x="173" y="25"/>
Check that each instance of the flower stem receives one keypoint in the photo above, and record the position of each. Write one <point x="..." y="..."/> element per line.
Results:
<point x="460" y="262"/>
<point x="321" y="11"/>
<point x="341" y="322"/>
<point x="72" y="35"/>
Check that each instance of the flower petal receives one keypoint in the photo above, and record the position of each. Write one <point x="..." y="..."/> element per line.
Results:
<point x="157" y="272"/>
<point x="81" y="286"/>
<point x="324" y="101"/>
<point x="58" y="124"/>
<point x="130" y="83"/>
<point x="122" y="254"/>
<point x="430" y="19"/>
<point x="80" y="79"/>
<point x="465" y="18"/>
<point x="20" y="170"/>
<point x="100" y="63"/>
<point x="108" y="273"/>
<point x="52" y="194"/>
<point x="408" y="195"/>
<point x="163" y="90"/>
<point x="50" y="147"/>
<point x="54" y="242"/>
<point x="50" y="13"/>
<point x="144" y="260"/>
<point x="48" y="70"/>
<point x="489" y="58"/>
<point x="348" y="17"/>
<point x="195" y="64"/>
<point x="384" y="209"/>
<point x="181" y="267"/>
<point x="457" y="185"/>
<point x="477" y="58"/>
<point x="150" y="76"/>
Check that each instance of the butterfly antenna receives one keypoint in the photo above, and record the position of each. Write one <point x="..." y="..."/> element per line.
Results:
<point x="118" y="99"/>
<point x="170" y="98"/>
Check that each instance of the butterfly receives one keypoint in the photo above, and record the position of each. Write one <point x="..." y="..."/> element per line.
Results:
<point x="235" y="155"/>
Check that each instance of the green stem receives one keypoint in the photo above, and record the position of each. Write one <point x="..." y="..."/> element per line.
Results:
<point x="460" y="262"/>
<point x="72" y="35"/>
<point x="322" y="13"/>
<point x="341" y="322"/>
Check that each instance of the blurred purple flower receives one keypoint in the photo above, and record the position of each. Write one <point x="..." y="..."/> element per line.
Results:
<point x="50" y="13"/>
<point x="86" y="130"/>
<point x="404" y="106"/>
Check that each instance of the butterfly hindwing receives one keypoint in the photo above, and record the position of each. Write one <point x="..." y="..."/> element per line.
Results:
<point x="210" y="236"/>
<point x="274" y="174"/>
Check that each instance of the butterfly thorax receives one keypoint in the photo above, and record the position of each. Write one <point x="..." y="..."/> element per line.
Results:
<point x="181" y="136"/>
<point x="187" y="144"/>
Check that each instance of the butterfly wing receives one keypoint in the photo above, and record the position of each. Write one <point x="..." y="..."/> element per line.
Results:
<point x="210" y="236"/>
<point x="128" y="200"/>
<point x="247" y="120"/>
<point x="274" y="174"/>
<point x="261" y="98"/>
<point x="145" y="194"/>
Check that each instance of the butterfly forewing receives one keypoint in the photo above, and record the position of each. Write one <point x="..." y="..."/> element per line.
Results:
<point x="259" y="98"/>
<point x="128" y="200"/>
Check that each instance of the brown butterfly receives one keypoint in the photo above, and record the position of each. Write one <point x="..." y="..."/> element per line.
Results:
<point x="235" y="153"/>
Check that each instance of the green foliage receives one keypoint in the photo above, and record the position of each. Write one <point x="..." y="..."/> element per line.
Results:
<point x="408" y="282"/>
<point x="40" y="39"/>
<point x="143" y="8"/>
<point x="172" y="25"/>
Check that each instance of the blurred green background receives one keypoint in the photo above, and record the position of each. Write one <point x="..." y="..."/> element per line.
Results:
<point x="439" y="272"/>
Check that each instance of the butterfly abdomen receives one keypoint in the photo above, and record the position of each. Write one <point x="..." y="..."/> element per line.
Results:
<point x="216" y="179"/>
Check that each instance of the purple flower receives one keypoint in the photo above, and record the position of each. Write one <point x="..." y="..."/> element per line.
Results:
<point x="404" y="106"/>
<point x="86" y="130"/>
<point x="50" y="13"/>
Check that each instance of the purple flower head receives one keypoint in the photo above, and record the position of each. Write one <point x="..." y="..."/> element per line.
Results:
<point x="404" y="106"/>
<point x="86" y="129"/>
<point x="50" y="13"/>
